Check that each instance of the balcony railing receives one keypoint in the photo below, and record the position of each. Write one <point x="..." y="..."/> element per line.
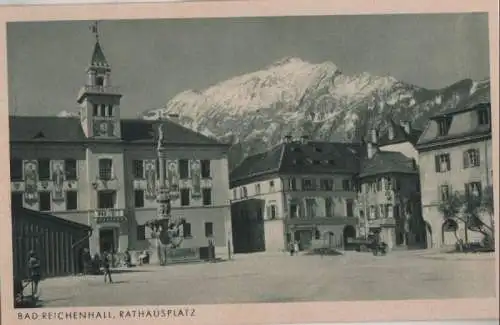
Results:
<point x="98" y="89"/>
<point x="109" y="215"/>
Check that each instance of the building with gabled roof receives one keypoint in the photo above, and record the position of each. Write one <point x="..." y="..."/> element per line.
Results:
<point x="455" y="155"/>
<point x="100" y="170"/>
<point x="310" y="192"/>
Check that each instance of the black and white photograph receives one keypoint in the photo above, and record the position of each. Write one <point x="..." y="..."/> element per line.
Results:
<point x="235" y="160"/>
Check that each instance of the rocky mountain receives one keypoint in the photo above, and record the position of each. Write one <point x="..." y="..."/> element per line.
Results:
<point x="291" y="96"/>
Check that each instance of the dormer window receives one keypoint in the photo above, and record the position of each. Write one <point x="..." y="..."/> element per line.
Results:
<point x="444" y="125"/>
<point x="483" y="117"/>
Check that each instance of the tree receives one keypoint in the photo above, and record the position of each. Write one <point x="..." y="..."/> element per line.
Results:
<point x="468" y="208"/>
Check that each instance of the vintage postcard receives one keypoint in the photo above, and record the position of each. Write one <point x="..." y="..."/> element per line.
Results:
<point x="250" y="162"/>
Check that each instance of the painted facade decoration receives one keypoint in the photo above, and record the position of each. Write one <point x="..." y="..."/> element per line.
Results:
<point x="104" y="128"/>
<point x="196" y="179"/>
<point x="58" y="179"/>
<point x="173" y="178"/>
<point x="31" y="181"/>
<point x="150" y="171"/>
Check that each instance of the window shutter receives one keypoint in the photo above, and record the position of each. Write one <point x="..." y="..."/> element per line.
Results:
<point x="448" y="163"/>
<point x="436" y="159"/>
<point x="466" y="159"/>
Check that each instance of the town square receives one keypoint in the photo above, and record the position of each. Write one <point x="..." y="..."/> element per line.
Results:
<point x="277" y="177"/>
<point x="264" y="277"/>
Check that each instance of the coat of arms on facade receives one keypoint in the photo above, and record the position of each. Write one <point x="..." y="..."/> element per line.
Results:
<point x="196" y="179"/>
<point x="150" y="173"/>
<point x="173" y="179"/>
<point x="58" y="180"/>
<point x="31" y="181"/>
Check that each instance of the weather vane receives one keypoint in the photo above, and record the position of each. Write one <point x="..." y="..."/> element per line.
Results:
<point x="94" y="27"/>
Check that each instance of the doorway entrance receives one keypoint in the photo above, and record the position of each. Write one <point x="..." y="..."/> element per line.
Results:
<point x="107" y="240"/>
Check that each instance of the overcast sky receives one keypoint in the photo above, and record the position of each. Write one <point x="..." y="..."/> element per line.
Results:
<point x="153" y="60"/>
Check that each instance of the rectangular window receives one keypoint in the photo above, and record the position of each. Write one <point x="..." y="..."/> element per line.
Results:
<point x="105" y="169"/>
<point x="139" y="198"/>
<point x="102" y="110"/>
<point x="443" y="163"/>
<point x="185" y="197"/>
<point x="16" y="169"/>
<point x="473" y="189"/>
<point x="326" y="184"/>
<point x="257" y="188"/>
<point x="110" y="110"/>
<point x="245" y="191"/>
<point x="141" y="232"/>
<point x="138" y="166"/>
<point x="209" y="229"/>
<point x="293" y="184"/>
<point x="472" y="158"/>
<point x="483" y="117"/>
<point x="271" y="185"/>
<point x="444" y="126"/>
<point x="388" y="184"/>
<point x="349" y="204"/>
<point x="72" y="200"/>
<point x="184" y="169"/>
<point x="272" y="212"/>
<point x="44" y="201"/>
<point x="44" y="169"/>
<point x="106" y="199"/>
<point x="294" y="211"/>
<point x="235" y="194"/>
<point x="346" y="185"/>
<point x="70" y="169"/>
<point x="328" y="207"/>
<point x="444" y="192"/>
<point x="310" y="208"/>
<point x="205" y="169"/>
<point x="95" y="111"/>
<point x="186" y="230"/>
<point x="207" y="196"/>
<point x="16" y="200"/>
<point x="308" y="185"/>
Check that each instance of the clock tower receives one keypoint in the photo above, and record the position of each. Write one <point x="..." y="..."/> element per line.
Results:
<point x="99" y="101"/>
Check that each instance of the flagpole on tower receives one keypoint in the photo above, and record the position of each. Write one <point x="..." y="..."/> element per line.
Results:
<point x="94" y="28"/>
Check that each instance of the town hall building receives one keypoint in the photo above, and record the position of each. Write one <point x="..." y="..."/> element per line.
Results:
<point x="100" y="170"/>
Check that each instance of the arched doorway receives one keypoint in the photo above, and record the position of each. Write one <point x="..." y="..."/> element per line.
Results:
<point x="448" y="232"/>
<point x="349" y="232"/>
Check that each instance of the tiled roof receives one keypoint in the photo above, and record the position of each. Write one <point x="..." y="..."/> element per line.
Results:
<point x="98" y="58"/>
<point x="320" y="157"/>
<point x="479" y="98"/>
<point x="45" y="128"/>
<point x="400" y="135"/>
<point x="312" y="157"/>
<point x="68" y="129"/>
<point x="384" y="162"/>
<point x="258" y="164"/>
<point x="145" y="131"/>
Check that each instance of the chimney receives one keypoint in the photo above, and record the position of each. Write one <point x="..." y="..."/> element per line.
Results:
<point x="390" y="132"/>
<point x="374" y="136"/>
<point x="406" y="125"/>
<point x="304" y="139"/>
<point x="371" y="149"/>
<point x="173" y="117"/>
<point x="287" y="138"/>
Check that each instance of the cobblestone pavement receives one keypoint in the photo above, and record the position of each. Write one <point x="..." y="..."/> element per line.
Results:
<point x="281" y="278"/>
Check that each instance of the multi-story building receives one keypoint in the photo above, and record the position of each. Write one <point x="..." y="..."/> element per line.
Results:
<point x="389" y="191"/>
<point x="308" y="190"/>
<point x="454" y="155"/>
<point x="101" y="170"/>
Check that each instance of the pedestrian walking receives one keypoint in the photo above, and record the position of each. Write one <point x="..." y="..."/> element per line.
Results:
<point x="34" y="273"/>
<point x="296" y="247"/>
<point x="106" y="266"/>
